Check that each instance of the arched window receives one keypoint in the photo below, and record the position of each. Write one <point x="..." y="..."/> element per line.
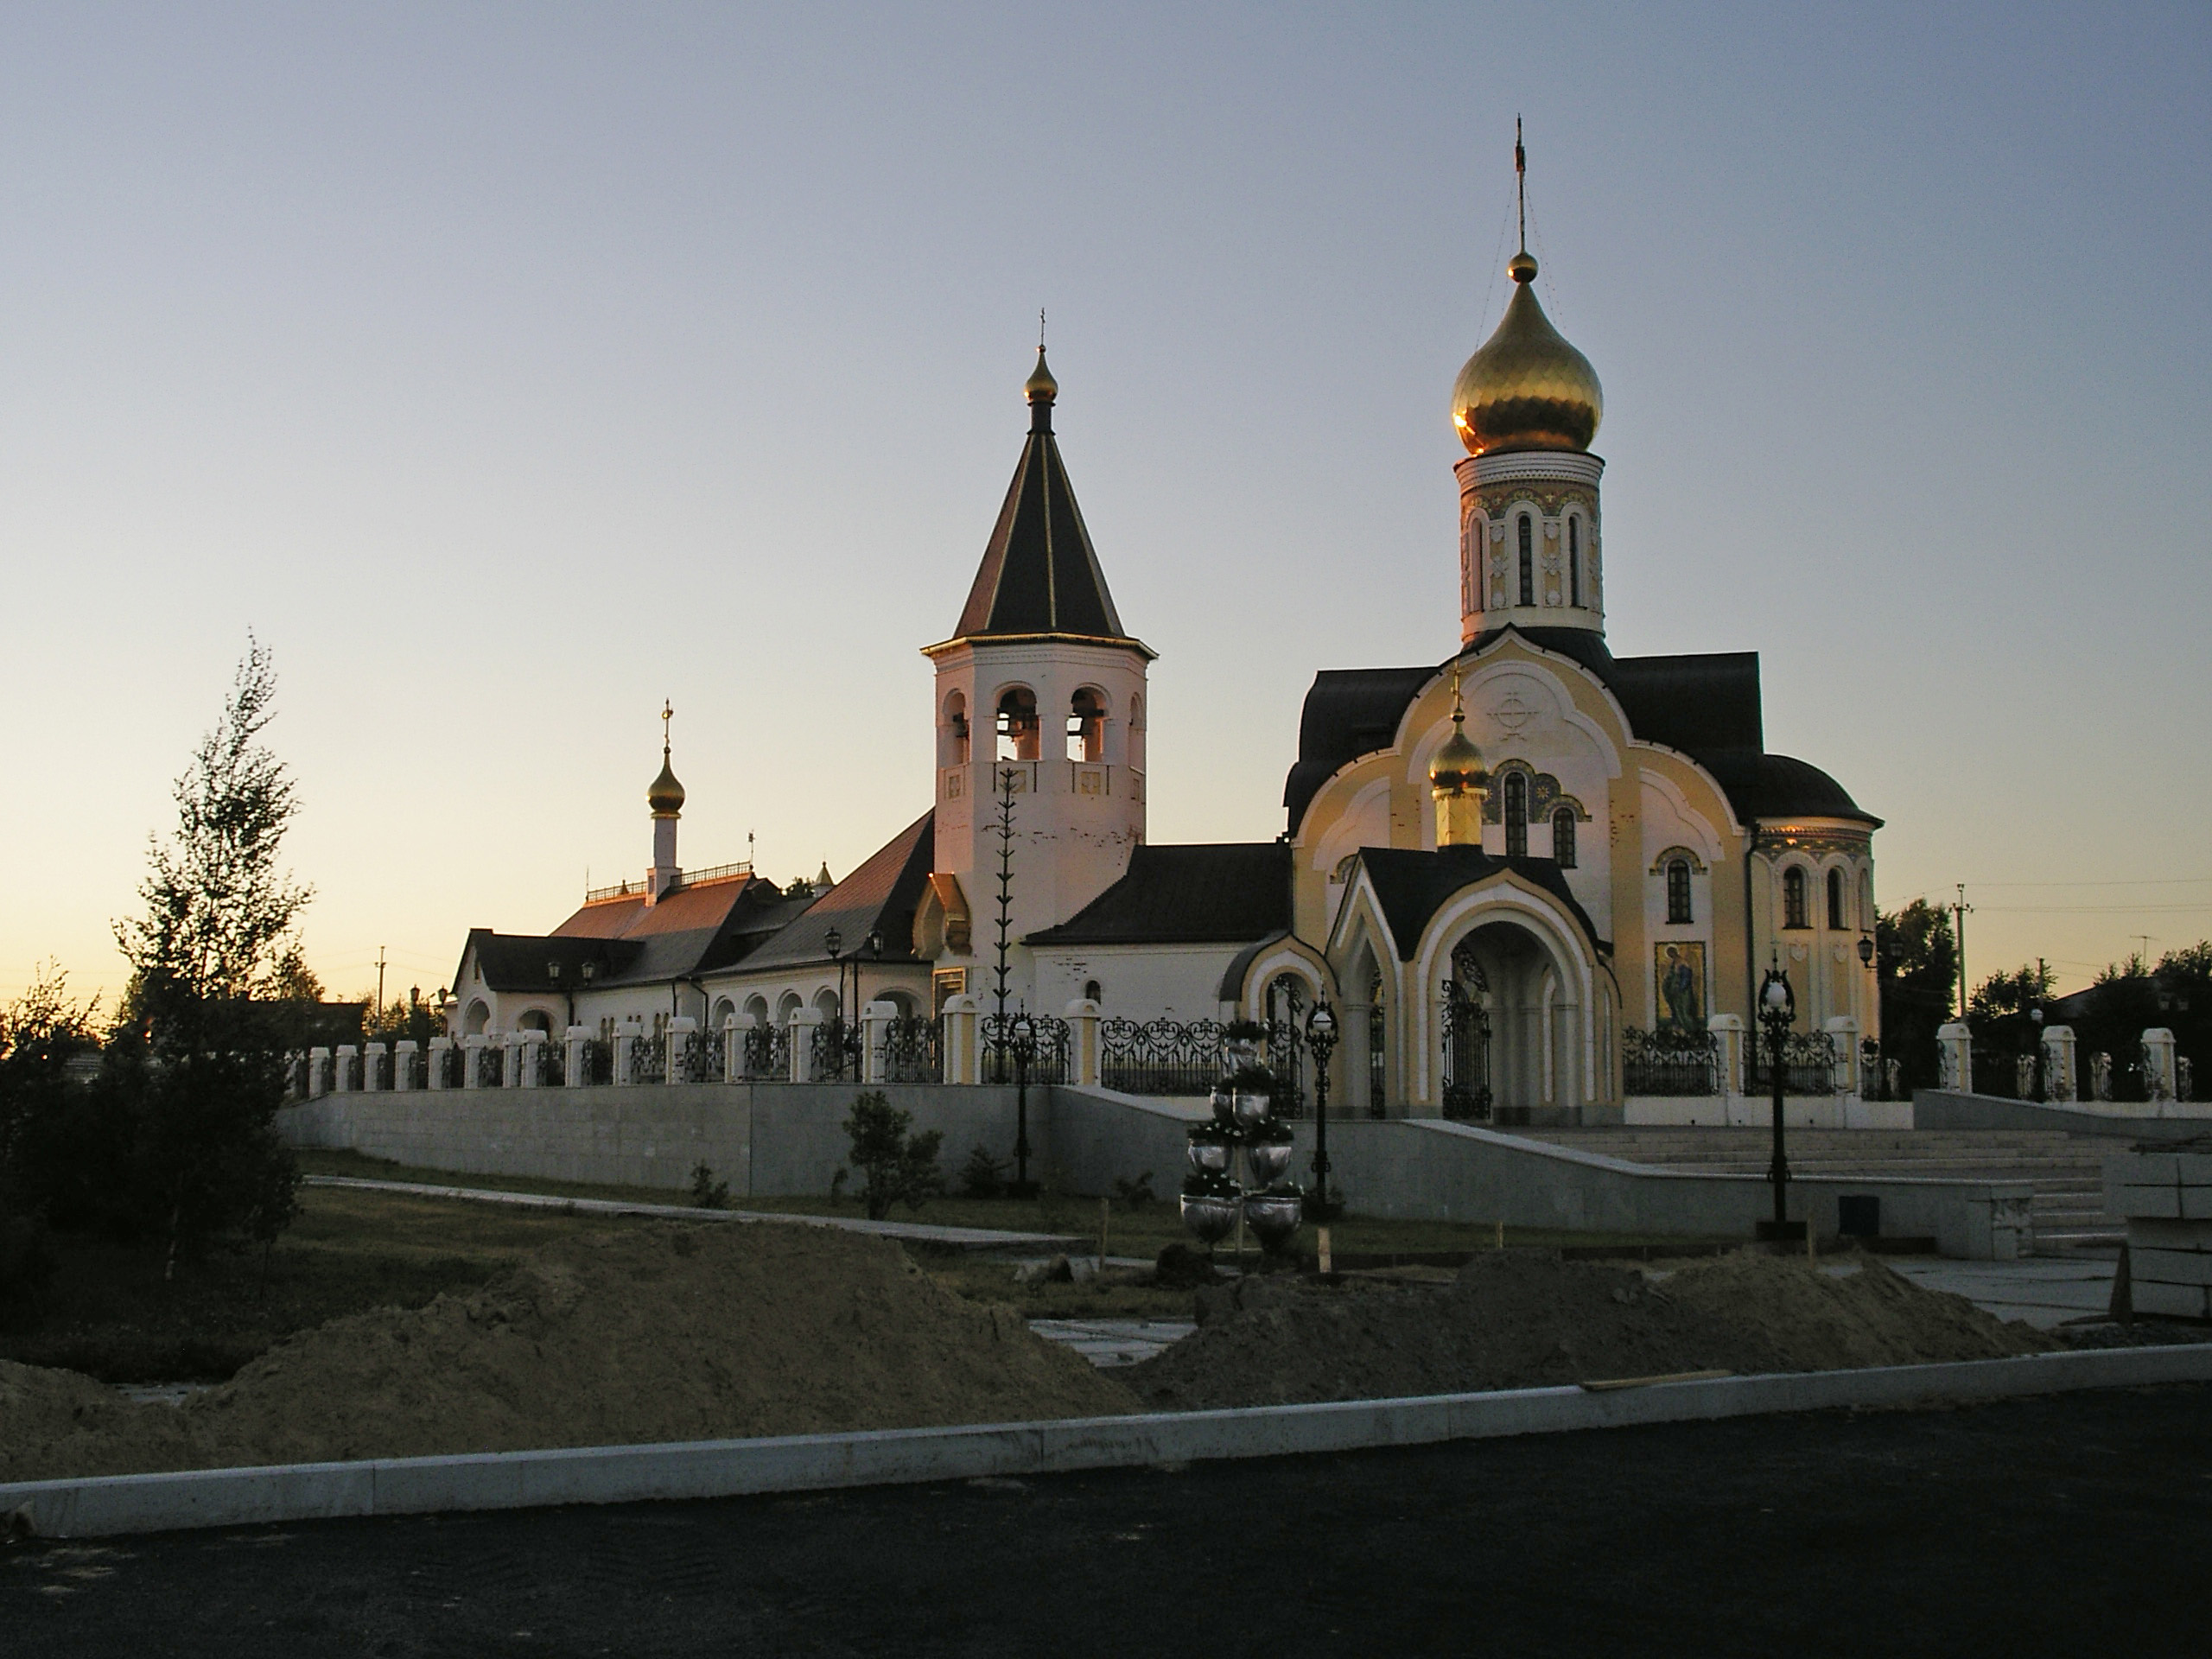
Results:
<point x="1563" y="837"/>
<point x="757" y="1006"/>
<point x="1087" y="726"/>
<point x="1090" y="990"/>
<point x="1517" y="810"/>
<point x="725" y="1011"/>
<point x="1792" y="898"/>
<point x="1835" y="898"/>
<point x="956" y="730"/>
<point x="1528" y="559"/>
<point x="1574" y="561"/>
<point x="1017" y="724"/>
<point x="1678" y="891"/>
<point x="535" y="1020"/>
<point x="473" y="1022"/>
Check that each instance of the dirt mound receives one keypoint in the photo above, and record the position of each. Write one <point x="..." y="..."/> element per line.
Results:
<point x="663" y="1333"/>
<point x="1516" y="1319"/>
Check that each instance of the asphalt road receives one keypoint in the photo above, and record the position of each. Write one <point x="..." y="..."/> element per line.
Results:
<point x="2080" y="1524"/>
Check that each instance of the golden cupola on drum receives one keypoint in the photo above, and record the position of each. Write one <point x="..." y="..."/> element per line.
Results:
<point x="1526" y="406"/>
<point x="1459" y="782"/>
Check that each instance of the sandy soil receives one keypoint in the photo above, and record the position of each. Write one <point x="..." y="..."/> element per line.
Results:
<point x="664" y="1334"/>
<point x="1518" y="1319"/>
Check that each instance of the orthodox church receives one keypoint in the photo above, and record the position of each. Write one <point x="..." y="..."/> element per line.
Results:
<point x="1511" y="872"/>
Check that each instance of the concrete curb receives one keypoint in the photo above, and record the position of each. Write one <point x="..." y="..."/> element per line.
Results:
<point x="111" y="1504"/>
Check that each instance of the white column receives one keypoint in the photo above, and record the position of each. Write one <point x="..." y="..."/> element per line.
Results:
<point x="2058" y="1084"/>
<point x="373" y="1067"/>
<point x="440" y="1047"/>
<point x="510" y="1060"/>
<point x="682" y="1031"/>
<point x="473" y="1052"/>
<point x="318" y="1072"/>
<point x="1088" y="1064"/>
<point x="1728" y="1031"/>
<point x="1955" y="1050"/>
<point x="575" y="1070"/>
<point x="405" y="1054"/>
<point x="625" y="1053"/>
<point x="804" y="1023"/>
<point x="534" y="1044"/>
<point x="2157" y="1064"/>
<point x="1843" y="1032"/>
<point x="963" y="1059"/>
<point x="349" y="1069"/>
<point x="733" y="1049"/>
<point x="875" y="1030"/>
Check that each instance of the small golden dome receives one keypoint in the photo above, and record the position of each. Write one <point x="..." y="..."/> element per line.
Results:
<point x="1040" y="386"/>
<point x="1527" y="388"/>
<point x="667" y="795"/>
<point x="1458" y="768"/>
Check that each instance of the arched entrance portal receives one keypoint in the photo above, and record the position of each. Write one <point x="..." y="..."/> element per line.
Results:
<point x="1466" y="1026"/>
<point x="1508" y="1029"/>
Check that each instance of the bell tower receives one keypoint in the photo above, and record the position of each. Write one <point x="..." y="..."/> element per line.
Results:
<point x="1041" y="699"/>
<point x="1527" y="406"/>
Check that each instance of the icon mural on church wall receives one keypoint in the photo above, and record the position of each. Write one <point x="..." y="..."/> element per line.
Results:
<point x="1680" y="975"/>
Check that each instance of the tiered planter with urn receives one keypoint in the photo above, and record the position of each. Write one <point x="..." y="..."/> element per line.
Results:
<point x="1244" y="1118"/>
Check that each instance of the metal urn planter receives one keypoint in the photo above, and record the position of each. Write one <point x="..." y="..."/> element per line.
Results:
<point x="1243" y="1115"/>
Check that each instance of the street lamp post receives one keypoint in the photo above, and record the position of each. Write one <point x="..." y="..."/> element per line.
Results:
<point x="1321" y="1038"/>
<point x="2035" y="1053"/>
<point x="1777" y="1013"/>
<point x="1023" y="1042"/>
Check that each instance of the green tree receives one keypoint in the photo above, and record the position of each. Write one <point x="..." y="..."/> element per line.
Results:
<point x="895" y="1166"/>
<point x="1998" y="1015"/>
<point x="201" y="1073"/>
<point x="41" y="1032"/>
<point x="1918" y="961"/>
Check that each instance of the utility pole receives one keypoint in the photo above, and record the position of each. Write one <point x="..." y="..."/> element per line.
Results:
<point x="1961" y="910"/>
<point x="379" y="979"/>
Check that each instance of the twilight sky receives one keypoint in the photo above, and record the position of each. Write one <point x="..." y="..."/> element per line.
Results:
<point x="507" y="369"/>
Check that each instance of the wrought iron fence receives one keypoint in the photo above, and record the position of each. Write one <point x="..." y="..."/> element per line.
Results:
<point x="649" y="1059"/>
<point x="1670" y="1061"/>
<point x="1286" y="1059"/>
<point x="1052" y="1062"/>
<point x="692" y="1054"/>
<point x="764" y="1054"/>
<point x="446" y="1061"/>
<point x="1808" y="1064"/>
<point x="1159" y="1057"/>
<point x="834" y="1054"/>
<point x="1466" y="1057"/>
<point x="912" y="1050"/>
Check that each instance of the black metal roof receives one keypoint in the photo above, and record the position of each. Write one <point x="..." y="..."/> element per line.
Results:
<point x="1039" y="573"/>
<point x="879" y="897"/>
<point x="1412" y="885"/>
<point x="1222" y="893"/>
<point x="1705" y="704"/>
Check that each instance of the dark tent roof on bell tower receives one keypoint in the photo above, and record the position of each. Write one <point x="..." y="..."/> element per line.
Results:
<point x="1040" y="574"/>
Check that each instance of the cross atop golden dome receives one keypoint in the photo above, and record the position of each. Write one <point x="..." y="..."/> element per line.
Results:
<point x="1527" y="388"/>
<point x="665" y="796"/>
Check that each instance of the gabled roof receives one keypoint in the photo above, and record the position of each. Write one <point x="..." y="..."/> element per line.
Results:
<point x="1039" y="573"/>
<point x="1705" y="704"/>
<point x="1227" y="892"/>
<point x="878" y="897"/>
<point x="1412" y="885"/>
<point x="629" y="941"/>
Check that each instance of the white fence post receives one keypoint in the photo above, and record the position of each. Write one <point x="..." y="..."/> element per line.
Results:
<point x="2058" y="1063"/>
<point x="405" y="1054"/>
<point x="963" y="1060"/>
<point x="440" y="1047"/>
<point x="1954" y="1050"/>
<point x="875" y="1026"/>
<point x="1728" y="1031"/>
<point x="576" y="1062"/>
<point x="349" y="1069"/>
<point x="1082" y="1038"/>
<point x="534" y="1043"/>
<point x="318" y="1072"/>
<point x="1843" y="1033"/>
<point x="2157" y="1063"/>
<point x="683" y="1031"/>
<point x="734" y="1047"/>
<point x="472" y="1052"/>
<point x="625" y="1052"/>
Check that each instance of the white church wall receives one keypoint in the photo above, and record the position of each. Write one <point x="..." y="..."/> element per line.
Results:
<point x="1150" y="981"/>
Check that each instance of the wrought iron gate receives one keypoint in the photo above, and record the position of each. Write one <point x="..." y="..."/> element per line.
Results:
<point x="1466" y="1026"/>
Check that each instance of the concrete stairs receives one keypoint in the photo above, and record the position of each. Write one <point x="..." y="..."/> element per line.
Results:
<point x="2066" y="1171"/>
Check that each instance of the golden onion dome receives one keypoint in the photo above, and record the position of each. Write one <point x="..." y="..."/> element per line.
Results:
<point x="1040" y="386"/>
<point x="1458" y="768"/>
<point x="1527" y="388"/>
<point x="665" y="796"/>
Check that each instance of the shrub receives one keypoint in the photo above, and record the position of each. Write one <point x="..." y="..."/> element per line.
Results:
<point x="706" y="1192"/>
<point x="894" y="1166"/>
<point x="1135" y="1195"/>
<point x="982" y="1176"/>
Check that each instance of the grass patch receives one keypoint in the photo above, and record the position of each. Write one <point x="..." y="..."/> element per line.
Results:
<point x="109" y="1314"/>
